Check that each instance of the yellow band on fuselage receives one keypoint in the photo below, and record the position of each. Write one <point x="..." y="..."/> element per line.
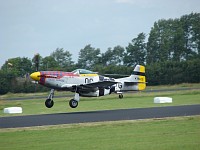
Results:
<point x="88" y="75"/>
<point x="142" y="79"/>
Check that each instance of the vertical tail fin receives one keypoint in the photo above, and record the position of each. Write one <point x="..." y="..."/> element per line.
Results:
<point x="138" y="75"/>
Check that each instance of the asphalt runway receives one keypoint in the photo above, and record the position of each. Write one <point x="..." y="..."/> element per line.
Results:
<point x="99" y="116"/>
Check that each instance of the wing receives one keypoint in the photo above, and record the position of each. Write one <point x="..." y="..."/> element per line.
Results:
<point x="100" y="84"/>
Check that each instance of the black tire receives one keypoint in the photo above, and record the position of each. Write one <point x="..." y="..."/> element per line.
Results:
<point x="73" y="103"/>
<point x="121" y="96"/>
<point x="49" y="103"/>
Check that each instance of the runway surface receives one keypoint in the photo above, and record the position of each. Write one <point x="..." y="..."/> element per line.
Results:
<point x="98" y="116"/>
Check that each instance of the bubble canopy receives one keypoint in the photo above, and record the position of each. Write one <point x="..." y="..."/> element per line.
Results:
<point x="83" y="71"/>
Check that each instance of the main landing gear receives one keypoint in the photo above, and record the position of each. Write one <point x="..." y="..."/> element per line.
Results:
<point x="121" y="96"/>
<point x="49" y="101"/>
<point x="73" y="103"/>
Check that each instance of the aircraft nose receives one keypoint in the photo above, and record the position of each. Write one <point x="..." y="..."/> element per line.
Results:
<point x="35" y="76"/>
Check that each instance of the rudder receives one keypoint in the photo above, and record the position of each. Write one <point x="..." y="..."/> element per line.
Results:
<point x="139" y="76"/>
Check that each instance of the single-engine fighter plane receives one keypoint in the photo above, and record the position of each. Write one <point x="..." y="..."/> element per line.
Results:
<point x="88" y="84"/>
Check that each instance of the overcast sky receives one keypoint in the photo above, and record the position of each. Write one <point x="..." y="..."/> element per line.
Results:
<point x="40" y="26"/>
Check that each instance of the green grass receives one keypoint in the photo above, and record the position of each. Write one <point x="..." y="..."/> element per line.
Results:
<point x="136" y="100"/>
<point x="162" y="87"/>
<point x="166" y="134"/>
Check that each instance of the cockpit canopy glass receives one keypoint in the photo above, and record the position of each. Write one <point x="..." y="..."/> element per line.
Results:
<point x="83" y="71"/>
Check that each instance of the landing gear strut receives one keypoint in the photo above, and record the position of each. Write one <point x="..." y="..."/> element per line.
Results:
<point x="49" y="101"/>
<point x="73" y="103"/>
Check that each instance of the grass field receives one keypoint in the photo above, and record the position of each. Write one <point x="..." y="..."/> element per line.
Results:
<point x="163" y="134"/>
<point x="166" y="134"/>
<point x="133" y="100"/>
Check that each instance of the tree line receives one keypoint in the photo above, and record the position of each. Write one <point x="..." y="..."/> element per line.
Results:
<point x="170" y="52"/>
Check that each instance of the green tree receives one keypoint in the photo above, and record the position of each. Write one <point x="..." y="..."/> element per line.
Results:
<point x="136" y="51"/>
<point x="113" y="57"/>
<point x="49" y="63"/>
<point x="153" y="45"/>
<point x="106" y="58"/>
<point x="178" y="40"/>
<point x="191" y="27"/>
<point x="5" y="82"/>
<point x="174" y="39"/>
<point x="18" y="66"/>
<point x="62" y="57"/>
<point x="159" y="45"/>
<point x="88" y="57"/>
<point x="37" y="62"/>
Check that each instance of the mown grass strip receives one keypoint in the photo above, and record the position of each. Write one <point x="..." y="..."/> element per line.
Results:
<point x="171" y="133"/>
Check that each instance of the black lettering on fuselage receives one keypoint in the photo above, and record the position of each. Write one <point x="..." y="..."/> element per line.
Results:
<point x="87" y="80"/>
<point x="120" y="85"/>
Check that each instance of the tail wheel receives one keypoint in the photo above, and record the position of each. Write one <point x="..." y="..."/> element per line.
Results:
<point x="49" y="103"/>
<point x="121" y="96"/>
<point x="73" y="103"/>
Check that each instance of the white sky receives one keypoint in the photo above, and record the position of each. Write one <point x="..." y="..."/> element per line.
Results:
<point x="40" y="26"/>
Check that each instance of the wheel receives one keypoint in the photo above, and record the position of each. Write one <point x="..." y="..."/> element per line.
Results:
<point x="73" y="103"/>
<point x="49" y="103"/>
<point x="121" y="96"/>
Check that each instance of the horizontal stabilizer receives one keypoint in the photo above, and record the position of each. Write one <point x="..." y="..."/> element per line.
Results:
<point x="133" y="83"/>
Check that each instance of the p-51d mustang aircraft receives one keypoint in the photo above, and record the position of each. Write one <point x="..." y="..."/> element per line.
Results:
<point x="88" y="84"/>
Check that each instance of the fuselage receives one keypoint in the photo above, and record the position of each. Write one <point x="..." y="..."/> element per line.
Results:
<point x="69" y="80"/>
<point x="58" y="79"/>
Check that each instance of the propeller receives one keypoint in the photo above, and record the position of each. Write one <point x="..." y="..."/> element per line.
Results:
<point x="36" y="61"/>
